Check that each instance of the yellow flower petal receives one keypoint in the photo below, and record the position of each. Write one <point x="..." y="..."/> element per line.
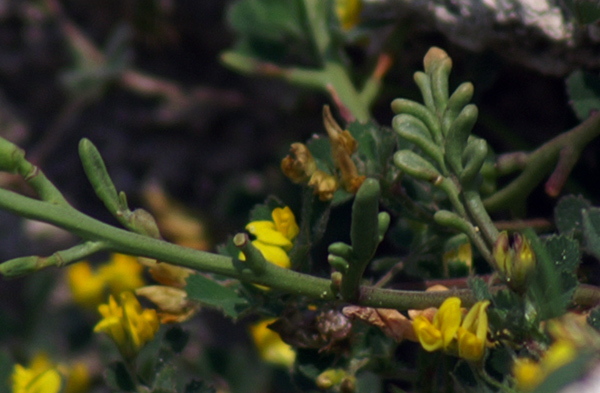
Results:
<point x="127" y="324"/>
<point x="122" y="273"/>
<point x="448" y="319"/>
<point x="30" y="381"/>
<point x="271" y="347"/>
<point x="429" y="336"/>
<point x="470" y="347"/>
<point x="275" y="255"/>
<point x="285" y="222"/>
<point x="266" y="233"/>
<point x="87" y="288"/>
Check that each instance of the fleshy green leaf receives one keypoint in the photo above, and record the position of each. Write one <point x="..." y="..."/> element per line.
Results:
<point x="584" y="93"/>
<point x="591" y="231"/>
<point x="209" y="293"/>
<point x="567" y="215"/>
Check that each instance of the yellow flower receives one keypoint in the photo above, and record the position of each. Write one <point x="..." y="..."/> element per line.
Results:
<point x="274" y="238"/>
<point x="439" y="334"/>
<point x="40" y="377"/>
<point x="127" y="324"/>
<point x="271" y="347"/>
<point x="121" y="273"/>
<point x="448" y="333"/>
<point x="472" y="334"/>
<point x="348" y="12"/>
<point x="87" y="288"/>
<point x="529" y="374"/>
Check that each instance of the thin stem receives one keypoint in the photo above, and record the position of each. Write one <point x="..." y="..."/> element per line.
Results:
<point x="539" y="163"/>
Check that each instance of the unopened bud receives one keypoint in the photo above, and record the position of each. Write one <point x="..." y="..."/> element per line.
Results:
<point x="524" y="260"/>
<point x="503" y="254"/>
<point x="514" y="263"/>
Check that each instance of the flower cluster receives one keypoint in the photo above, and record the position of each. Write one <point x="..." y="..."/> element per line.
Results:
<point x="127" y="324"/>
<point x="449" y="331"/>
<point x="89" y="287"/>
<point x="274" y="238"/>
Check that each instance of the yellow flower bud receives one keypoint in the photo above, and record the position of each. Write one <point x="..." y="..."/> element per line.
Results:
<point x="514" y="263"/>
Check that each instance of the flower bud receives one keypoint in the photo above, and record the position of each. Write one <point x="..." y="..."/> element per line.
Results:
<point x="330" y="378"/>
<point x="514" y="263"/>
<point x="503" y="254"/>
<point x="524" y="260"/>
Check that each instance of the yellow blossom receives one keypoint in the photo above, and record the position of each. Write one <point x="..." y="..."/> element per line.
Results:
<point x="89" y="287"/>
<point x="450" y="332"/>
<point x="40" y="377"/>
<point x="127" y="324"/>
<point x="274" y="238"/>
<point x="348" y="12"/>
<point x="472" y="334"/>
<point x="440" y="333"/>
<point x="271" y="347"/>
<point x="529" y="374"/>
<point x="122" y="273"/>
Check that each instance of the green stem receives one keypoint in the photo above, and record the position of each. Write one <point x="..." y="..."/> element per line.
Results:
<point x="119" y="240"/>
<point x="539" y="163"/>
<point x="480" y="216"/>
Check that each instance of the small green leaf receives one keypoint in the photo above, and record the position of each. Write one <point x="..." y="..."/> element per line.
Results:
<point x="480" y="289"/>
<point x="554" y="280"/>
<point x="264" y="211"/>
<point x="567" y="215"/>
<point x="591" y="231"/>
<point x="584" y="93"/>
<point x="209" y="293"/>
